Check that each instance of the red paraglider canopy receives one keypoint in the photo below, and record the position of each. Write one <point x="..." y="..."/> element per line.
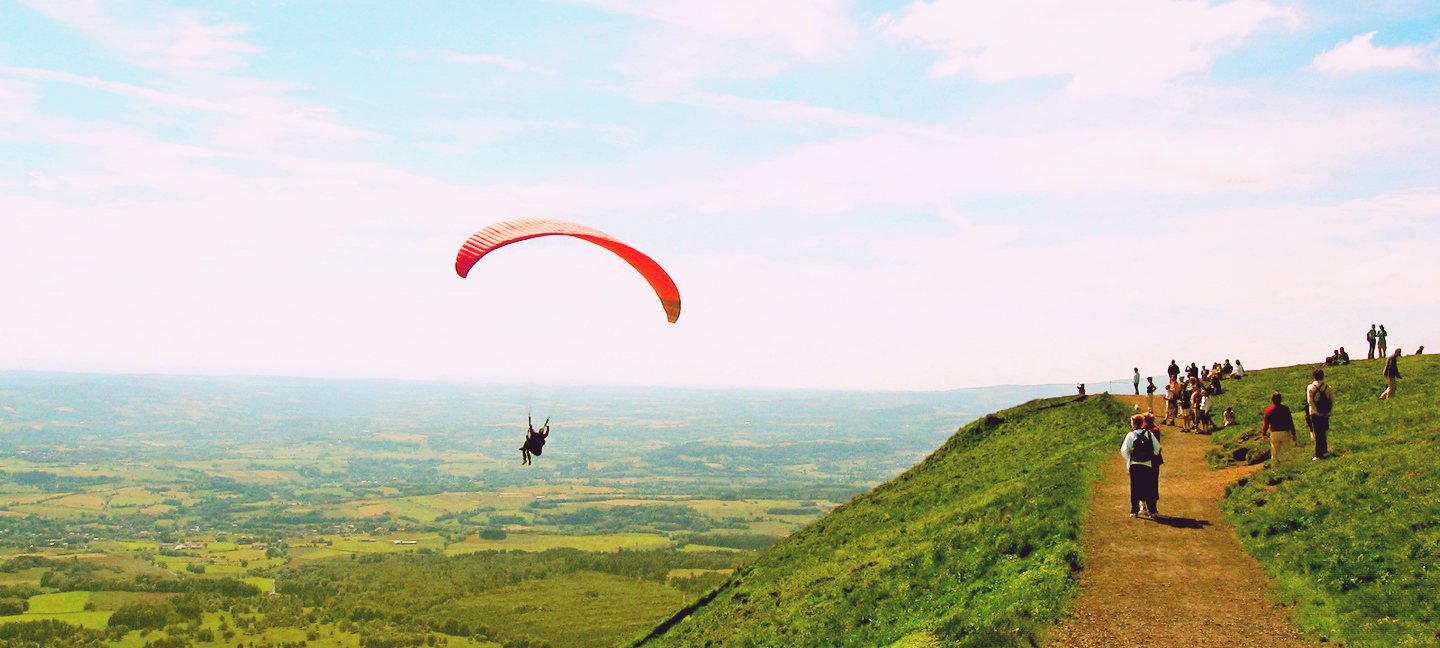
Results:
<point x="504" y="233"/>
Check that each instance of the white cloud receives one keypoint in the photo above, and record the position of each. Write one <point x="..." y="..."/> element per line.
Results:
<point x="1360" y="54"/>
<point x="1105" y="47"/>
<point x="497" y="60"/>
<point x="176" y="41"/>
<point x="805" y="29"/>
<point x="16" y="100"/>
<point x="738" y="39"/>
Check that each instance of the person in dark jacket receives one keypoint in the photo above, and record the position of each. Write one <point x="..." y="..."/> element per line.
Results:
<point x="1278" y="427"/>
<point x="534" y="441"/>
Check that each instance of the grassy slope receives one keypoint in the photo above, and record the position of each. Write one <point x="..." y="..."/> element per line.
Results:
<point x="1353" y="542"/>
<point x="977" y="545"/>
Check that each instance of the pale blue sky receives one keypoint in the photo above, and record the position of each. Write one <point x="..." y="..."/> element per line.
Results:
<point x="850" y="194"/>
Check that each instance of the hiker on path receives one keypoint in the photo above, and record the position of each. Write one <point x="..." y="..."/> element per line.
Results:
<point x="1172" y="401"/>
<point x="1150" y="394"/>
<point x="1140" y="449"/>
<point x="1200" y="409"/>
<point x="1182" y="401"/>
<point x="1149" y="424"/>
<point x="1319" y="402"/>
<point x="1392" y="374"/>
<point x="1380" y="340"/>
<point x="1137" y="381"/>
<point x="1278" y="427"/>
<point x="1370" y="337"/>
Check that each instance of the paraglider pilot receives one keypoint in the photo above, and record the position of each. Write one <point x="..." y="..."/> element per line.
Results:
<point x="534" y="440"/>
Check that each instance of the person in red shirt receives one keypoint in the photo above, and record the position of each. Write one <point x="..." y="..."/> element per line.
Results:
<point x="1278" y="426"/>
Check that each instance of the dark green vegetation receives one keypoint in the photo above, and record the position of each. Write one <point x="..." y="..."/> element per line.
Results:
<point x="1353" y="541"/>
<point x="164" y="510"/>
<point x="976" y="546"/>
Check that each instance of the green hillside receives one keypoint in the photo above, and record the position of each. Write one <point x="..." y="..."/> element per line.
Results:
<point x="977" y="545"/>
<point x="1354" y="541"/>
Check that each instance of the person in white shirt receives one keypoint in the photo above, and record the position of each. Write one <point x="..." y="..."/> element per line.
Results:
<point x="1140" y="450"/>
<point x="1319" y="403"/>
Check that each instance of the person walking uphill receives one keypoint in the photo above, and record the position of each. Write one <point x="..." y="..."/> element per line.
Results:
<point x="1140" y="450"/>
<point x="1279" y="427"/>
<point x="1392" y="374"/>
<point x="1319" y="402"/>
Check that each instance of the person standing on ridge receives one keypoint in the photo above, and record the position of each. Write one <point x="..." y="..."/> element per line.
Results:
<point x="1150" y="394"/>
<point x="1172" y="401"/>
<point x="1173" y="370"/>
<point x="1392" y="374"/>
<point x="1380" y="341"/>
<point x="1319" y="402"/>
<point x="1140" y="450"/>
<point x="1278" y="427"/>
<point x="1137" y="381"/>
<point x="1370" y="337"/>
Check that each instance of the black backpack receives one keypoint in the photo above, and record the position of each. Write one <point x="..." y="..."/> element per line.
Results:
<point x="1143" y="448"/>
<point x="1322" y="400"/>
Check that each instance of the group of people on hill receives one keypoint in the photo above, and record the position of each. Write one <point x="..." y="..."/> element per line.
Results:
<point x="1187" y="400"/>
<point x="1187" y="404"/>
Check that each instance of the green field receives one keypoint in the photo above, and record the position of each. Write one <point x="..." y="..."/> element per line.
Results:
<point x="611" y="608"/>
<point x="541" y="542"/>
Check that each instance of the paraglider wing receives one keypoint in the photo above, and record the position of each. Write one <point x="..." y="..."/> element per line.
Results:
<point x="513" y="231"/>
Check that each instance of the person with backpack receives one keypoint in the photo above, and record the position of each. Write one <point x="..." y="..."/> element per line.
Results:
<point x="1141" y="450"/>
<point x="1392" y="374"/>
<point x="1278" y="426"/>
<point x="1319" y="403"/>
<point x="1370" y="338"/>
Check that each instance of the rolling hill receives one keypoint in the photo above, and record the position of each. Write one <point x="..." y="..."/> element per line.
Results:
<point x="976" y="545"/>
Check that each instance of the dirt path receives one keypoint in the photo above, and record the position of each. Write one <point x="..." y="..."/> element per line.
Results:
<point x="1181" y="581"/>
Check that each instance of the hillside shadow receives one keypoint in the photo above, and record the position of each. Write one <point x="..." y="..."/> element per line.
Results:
<point x="1182" y="523"/>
